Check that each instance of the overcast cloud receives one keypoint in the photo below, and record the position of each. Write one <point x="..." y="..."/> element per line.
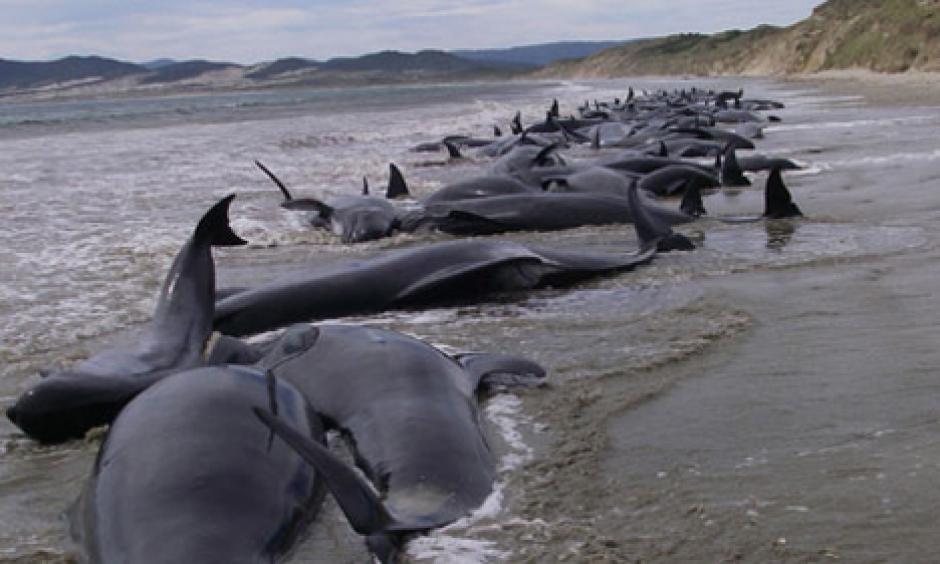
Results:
<point x="248" y="31"/>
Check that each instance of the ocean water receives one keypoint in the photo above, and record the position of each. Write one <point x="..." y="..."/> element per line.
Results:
<point x="97" y="197"/>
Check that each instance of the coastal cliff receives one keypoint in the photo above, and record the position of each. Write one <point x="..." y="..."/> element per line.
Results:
<point x="879" y="35"/>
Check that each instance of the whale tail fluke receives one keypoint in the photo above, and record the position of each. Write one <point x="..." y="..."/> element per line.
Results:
<point x="778" y="202"/>
<point x="652" y="233"/>
<point x="214" y="226"/>
<point x="396" y="183"/>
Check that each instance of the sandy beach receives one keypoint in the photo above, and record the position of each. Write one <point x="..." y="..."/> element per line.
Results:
<point x="805" y="431"/>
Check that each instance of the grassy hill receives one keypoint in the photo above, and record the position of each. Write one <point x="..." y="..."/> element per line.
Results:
<point x="878" y="35"/>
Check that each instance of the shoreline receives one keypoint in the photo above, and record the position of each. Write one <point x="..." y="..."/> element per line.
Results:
<point x="912" y="88"/>
<point x="876" y="88"/>
<point x="797" y="436"/>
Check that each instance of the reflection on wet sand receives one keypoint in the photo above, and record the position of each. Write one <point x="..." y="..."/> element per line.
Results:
<point x="779" y="233"/>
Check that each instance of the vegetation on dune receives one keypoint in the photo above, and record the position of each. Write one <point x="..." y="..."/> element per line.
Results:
<point x="879" y="35"/>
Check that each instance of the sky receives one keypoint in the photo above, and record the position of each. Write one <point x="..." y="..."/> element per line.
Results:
<point x="250" y="31"/>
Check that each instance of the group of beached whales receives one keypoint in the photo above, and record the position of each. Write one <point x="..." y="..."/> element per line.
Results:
<point x="217" y="450"/>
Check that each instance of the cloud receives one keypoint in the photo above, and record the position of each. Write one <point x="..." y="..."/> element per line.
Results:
<point x="255" y="30"/>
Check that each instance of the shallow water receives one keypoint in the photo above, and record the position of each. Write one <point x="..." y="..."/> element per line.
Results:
<point x="99" y="196"/>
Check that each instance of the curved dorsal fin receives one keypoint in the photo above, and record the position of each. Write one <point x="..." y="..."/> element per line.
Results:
<point x="214" y="226"/>
<point x="396" y="183"/>
<point x="778" y="202"/>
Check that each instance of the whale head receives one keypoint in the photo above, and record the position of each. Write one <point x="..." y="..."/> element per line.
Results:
<point x="66" y="405"/>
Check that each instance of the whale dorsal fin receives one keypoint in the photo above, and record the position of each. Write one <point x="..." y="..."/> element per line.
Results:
<point x="365" y="186"/>
<point x="396" y="183"/>
<point x="778" y="202"/>
<point x="214" y="226"/>
<point x="497" y="132"/>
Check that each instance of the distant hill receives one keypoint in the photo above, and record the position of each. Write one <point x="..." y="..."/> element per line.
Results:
<point x="184" y="71"/>
<point x="395" y="61"/>
<point x="157" y="63"/>
<point x="281" y="66"/>
<point x="537" y="55"/>
<point x="80" y="76"/>
<point x="25" y="74"/>
<point x="878" y="35"/>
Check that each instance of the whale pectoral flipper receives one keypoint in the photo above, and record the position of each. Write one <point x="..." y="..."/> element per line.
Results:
<point x="652" y="233"/>
<point x="542" y="157"/>
<point x="362" y="507"/>
<point x="501" y="370"/>
<point x="450" y="274"/>
<point x="276" y="180"/>
<point x="458" y="218"/>
<point x="309" y="204"/>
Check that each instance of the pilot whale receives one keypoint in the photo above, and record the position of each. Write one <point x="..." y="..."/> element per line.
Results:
<point x="451" y="271"/>
<point x="67" y="403"/>
<point x="410" y="415"/>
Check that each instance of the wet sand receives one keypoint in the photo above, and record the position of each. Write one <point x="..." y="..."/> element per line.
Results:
<point x="904" y="89"/>
<point x="812" y="434"/>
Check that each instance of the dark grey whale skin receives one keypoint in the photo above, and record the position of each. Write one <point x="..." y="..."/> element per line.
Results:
<point x="452" y="271"/>
<point x="186" y="475"/>
<point x="410" y="414"/>
<point x="448" y="272"/>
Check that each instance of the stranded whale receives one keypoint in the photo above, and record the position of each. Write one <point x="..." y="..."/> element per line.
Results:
<point x="65" y="404"/>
